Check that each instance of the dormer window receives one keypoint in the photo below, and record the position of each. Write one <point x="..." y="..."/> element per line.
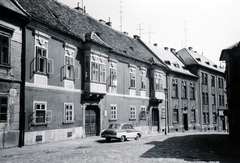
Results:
<point x="167" y="62"/>
<point x="176" y="65"/>
<point x="198" y="59"/>
<point x="215" y="66"/>
<point x="208" y="63"/>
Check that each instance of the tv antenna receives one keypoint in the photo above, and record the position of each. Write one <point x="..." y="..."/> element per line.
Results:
<point x="185" y="33"/>
<point x="140" y="29"/>
<point x="121" y="16"/>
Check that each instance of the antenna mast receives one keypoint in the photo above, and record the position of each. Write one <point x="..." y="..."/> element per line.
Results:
<point x="185" y="31"/>
<point x="121" y="16"/>
<point x="140" y="29"/>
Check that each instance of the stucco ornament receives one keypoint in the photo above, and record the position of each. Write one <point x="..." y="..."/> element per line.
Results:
<point x="13" y="99"/>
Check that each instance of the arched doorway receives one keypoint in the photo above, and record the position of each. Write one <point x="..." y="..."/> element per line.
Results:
<point x="92" y="121"/>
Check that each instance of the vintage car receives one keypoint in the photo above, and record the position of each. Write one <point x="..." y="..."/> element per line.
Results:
<point x="121" y="131"/>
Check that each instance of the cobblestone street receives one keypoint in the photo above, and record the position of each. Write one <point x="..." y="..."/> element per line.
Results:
<point x="183" y="147"/>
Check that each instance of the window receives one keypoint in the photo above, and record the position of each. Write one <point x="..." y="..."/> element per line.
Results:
<point x="175" y="114"/>
<point x="132" y="112"/>
<point x="220" y="83"/>
<point x="184" y="90"/>
<point x="42" y="115"/>
<point x="5" y="50"/>
<point x="158" y="82"/>
<point x="214" y="117"/>
<point x="113" y="77"/>
<point x="68" y="112"/>
<point x="175" y="89"/>
<point x="205" y="117"/>
<point x="204" y="98"/>
<point x="143" y="80"/>
<point x="221" y="100"/>
<point x="212" y="81"/>
<point x="69" y="70"/>
<point x="3" y="109"/>
<point x="204" y="78"/>
<point x="41" y="64"/>
<point x="193" y="115"/>
<point x="102" y="70"/>
<point x="192" y="91"/>
<point x="143" y="112"/>
<point x="132" y="78"/>
<point x="213" y="99"/>
<point x="113" y="109"/>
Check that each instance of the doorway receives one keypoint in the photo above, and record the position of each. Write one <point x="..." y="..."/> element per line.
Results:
<point x="92" y="121"/>
<point x="185" y="122"/>
<point x="155" y="118"/>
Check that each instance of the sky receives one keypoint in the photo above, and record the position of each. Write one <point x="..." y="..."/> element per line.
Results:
<point x="206" y="25"/>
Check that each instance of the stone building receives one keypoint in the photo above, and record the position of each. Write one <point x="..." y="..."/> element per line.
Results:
<point x="210" y="89"/>
<point x="231" y="56"/>
<point x="12" y="23"/>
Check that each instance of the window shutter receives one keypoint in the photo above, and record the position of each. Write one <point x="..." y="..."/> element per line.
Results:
<point x="48" y="116"/>
<point x="76" y="72"/>
<point x="50" y="66"/>
<point x="32" y="67"/>
<point x="63" y="72"/>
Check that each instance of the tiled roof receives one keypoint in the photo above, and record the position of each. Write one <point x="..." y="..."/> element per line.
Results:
<point x="78" y="24"/>
<point x="193" y="58"/>
<point x="170" y="60"/>
<point x="13" y="5"/>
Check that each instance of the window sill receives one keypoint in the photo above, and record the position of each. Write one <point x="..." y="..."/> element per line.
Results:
<point x="132" y="119"/>
<point x="112" y="120"/>
<point x="132" y="88"/>
<point x="5" y="66"/>
<point x="39" y="124"/>
<point x="174" y="97"/>
<point x="175" y="122"/>
<point x="68" y="122"/>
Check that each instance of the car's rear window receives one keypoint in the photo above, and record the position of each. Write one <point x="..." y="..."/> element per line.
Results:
<point x="114" y="126"/>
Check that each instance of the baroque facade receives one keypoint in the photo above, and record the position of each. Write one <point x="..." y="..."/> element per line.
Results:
<point x="79" y="75"/>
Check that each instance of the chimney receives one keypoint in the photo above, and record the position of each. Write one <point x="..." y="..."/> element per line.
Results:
<point x="82" y="10"/>
<point x="136" y="37"/>
<point x="166" y="48"/>
<point x="173" y="50"/>
<point x="109" y="23"/>
<point x="125" y="33"/>
<point x="190" y="48"/>
<point x="155" y="44"/>
<point x="102" y="21"/>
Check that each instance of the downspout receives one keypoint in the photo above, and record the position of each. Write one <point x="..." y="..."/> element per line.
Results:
<point x="22" y="87"/>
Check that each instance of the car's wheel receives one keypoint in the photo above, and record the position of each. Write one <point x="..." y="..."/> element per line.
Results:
<point x="108" y="139"/>
<point x="137" y="137"/>
<point x="122" y="138"/>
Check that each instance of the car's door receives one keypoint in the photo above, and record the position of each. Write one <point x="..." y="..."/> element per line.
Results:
<point x="131" y="132"/>
<point x="125" y="129"/>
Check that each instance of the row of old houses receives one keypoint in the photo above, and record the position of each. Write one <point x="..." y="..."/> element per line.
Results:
<point x="66" y="75"/>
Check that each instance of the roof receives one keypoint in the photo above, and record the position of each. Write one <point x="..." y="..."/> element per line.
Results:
<point x="191" y="57"/>
<point x="78" y="24"/>
<point x="225" y="51"/>
<point x="13" y="6"/>
<point x="170" y="60"/>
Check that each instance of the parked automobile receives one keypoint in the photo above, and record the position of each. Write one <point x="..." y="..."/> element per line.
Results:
<point x="121" y="131"/>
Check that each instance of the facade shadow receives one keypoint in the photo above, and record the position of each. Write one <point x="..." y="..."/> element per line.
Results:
<point x="209" y="147"/>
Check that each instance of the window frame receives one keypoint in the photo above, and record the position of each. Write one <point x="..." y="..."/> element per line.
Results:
<point x="175" y="89"/>
<point x="132" y="73"/>
<point x="192" y="91"/>
<point x="193" y="115"/>
<point x="143" y="112"/>
<point x="184" y="90"/>
<point x="66" y="111"/>
<point x="175" y="114"/>
<point x="143" y="79"/>
<point x="8" y="47"/>
<point x="42" y="103"/>
<point x="133" y="113"/>
<point x="1" y="110"/>
<point x="113" y="112"/>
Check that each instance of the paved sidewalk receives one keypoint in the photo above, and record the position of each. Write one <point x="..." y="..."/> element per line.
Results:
<point x="76" y="142"/>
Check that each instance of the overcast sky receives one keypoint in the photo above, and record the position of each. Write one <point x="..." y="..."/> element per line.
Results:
<point x="206" y="25"/>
